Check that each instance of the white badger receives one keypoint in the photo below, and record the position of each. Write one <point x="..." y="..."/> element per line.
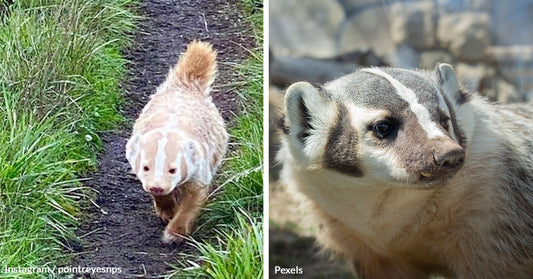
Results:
<point x="406" y="175"/>
<point x="179" y="141"/>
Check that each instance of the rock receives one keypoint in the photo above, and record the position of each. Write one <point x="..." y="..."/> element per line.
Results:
<point x="511" y="22"/>
<point x="507" y="93"/>
<point x="465" y="34"/>
<point x="405" y="57"/>
<point x="499" y="90"/>
<point x="305" y="28"/>
<point x="430" y="58"/>
<point x="413" y="23"/>
<point x="515" y="64"/>
<point x="360" y="58"/>
<point x="285" y="70"/>
<point x="454" y="6"/>
<point x="479" y="5"/>
<point x="368" y="29"/>
<point x="511" y="55"/>
<point x="351" y="6"/>
<point x="473" y="75"/>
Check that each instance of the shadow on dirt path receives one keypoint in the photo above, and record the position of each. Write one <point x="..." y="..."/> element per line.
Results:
<point x="123" y="230"/>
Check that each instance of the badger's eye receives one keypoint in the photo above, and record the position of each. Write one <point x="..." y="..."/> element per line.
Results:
<point x="444" y="124"/>
<point x="172" y="170"/>
<point x="146" y="168"/>
<point x="444" y="120"/>
<point x="383" y="128"/>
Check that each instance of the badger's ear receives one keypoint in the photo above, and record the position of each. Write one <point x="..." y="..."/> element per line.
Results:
<point x="306" y="108"/>
<point x="449" y="84"/>
<point x="132" y="153"/>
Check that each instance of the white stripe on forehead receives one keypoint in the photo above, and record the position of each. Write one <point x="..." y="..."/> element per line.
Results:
<point x="421" y="112"/>
<point x="443" y="105"/>
<point x="160" y="157"/>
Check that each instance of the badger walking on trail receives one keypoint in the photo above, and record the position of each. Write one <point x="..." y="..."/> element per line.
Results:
<point x="407" y="175"/>
<point x="179" y="141"/>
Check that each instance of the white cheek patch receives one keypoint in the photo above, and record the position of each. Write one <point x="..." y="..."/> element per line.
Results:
<point x="421" y="113"/>
<point x="380" y="163"/>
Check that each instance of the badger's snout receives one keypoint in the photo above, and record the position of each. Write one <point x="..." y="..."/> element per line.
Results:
<point x="447" y="158"/>
<point x="156" y="190"/>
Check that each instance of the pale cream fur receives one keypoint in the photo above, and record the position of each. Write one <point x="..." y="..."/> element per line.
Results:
<point x="179" y="140"/>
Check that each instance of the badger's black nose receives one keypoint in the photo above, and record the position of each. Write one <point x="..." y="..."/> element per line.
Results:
<point x="449" y="159"/>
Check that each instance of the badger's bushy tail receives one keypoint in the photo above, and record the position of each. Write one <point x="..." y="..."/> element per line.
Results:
<point x="196" y="68"/>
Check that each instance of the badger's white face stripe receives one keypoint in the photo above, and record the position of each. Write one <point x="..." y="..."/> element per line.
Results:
<point x="422" y="114"/>
<point x="443" y="105"/>
<point x="160" y="157"/>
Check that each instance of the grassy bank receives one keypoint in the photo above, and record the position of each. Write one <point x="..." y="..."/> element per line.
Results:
<point x="230" y="233"/>
<point x="60" y="65"/>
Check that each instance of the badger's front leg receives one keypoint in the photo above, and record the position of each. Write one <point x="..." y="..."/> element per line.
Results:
<point x="165" y="206"/>
<point x="187" y="210"/>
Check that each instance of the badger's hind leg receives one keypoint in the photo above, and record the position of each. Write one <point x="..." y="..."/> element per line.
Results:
<point x="187" y="210"/>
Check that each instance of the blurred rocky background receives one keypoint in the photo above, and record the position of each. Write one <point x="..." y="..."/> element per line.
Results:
<point x="489" y="42"/>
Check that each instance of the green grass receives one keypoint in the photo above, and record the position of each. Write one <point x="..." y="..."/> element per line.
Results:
<point x="60" y="66"/>
<point x="231" y="227"/>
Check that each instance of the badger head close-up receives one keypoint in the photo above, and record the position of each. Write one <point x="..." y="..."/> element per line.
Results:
<point x="394" y="126"/>
<point x="163" y="160"/>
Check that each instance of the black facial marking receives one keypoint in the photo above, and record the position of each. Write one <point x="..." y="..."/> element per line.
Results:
<point x="341" y="153"/>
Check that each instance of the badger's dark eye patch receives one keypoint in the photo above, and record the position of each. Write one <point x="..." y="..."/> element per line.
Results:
<point x="146" y="168"/>
<point x="384" y="128"/>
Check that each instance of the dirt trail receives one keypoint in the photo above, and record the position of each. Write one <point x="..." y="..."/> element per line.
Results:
<point x="124" y="231"/>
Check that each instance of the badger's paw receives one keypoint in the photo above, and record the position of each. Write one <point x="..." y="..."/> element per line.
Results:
<point x="172" y="237"/>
